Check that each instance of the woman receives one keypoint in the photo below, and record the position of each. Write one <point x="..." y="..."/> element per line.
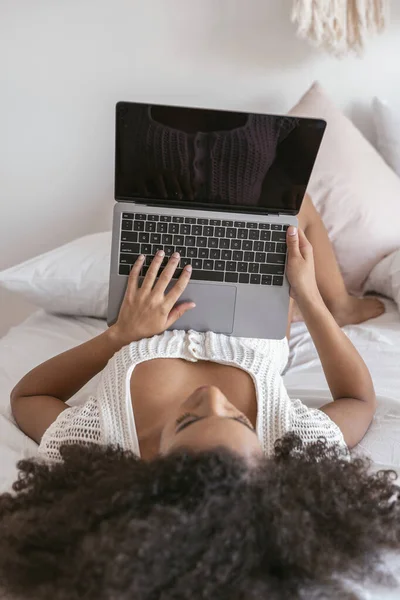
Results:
<point x="236" y="495"/>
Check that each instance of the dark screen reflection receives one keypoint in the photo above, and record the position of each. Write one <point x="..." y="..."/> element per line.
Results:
<point x="210" y="157"/>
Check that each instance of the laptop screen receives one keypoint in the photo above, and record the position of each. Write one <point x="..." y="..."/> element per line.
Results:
<point x="214" y="159"/>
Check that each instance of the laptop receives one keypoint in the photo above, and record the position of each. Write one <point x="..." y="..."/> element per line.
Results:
<point x="221" y="188"/>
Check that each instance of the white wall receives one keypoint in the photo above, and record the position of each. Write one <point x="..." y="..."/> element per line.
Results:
<point x="64" y="65"/>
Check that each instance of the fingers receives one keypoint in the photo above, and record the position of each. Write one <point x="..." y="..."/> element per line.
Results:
<point x="304" y="245"/>
<point x="178" y="311"/>
<point x="167" y="274"/>
<point x="176" y="292"/>
<point x="151" y="275"/>
<point x="134" y="276"/>
<point x="297" y="243"/>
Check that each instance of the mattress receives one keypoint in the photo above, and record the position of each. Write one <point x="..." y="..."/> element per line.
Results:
<point x="43" y="335"/>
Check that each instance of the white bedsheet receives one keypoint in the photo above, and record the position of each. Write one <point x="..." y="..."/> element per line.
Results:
<point x="43" y="335"/>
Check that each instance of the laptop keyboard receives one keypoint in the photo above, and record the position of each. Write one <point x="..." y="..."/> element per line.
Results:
<point x="218" y="250"/>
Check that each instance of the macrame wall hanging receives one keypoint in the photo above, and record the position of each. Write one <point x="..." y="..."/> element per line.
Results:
<point x="340" y="27"/>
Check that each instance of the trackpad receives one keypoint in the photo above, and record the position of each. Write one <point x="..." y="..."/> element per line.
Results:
<point x="215" y="308"/>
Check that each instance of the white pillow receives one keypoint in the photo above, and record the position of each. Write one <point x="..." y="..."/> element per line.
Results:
<point x="387" y="125"/>
<point x="72" y="279"/>
<point x="385" y="277"/>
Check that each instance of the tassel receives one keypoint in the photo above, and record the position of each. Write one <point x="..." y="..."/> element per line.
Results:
<point x="339" y="26"/>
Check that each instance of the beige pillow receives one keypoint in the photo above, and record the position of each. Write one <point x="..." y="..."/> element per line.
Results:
<point x="353" y="189"/>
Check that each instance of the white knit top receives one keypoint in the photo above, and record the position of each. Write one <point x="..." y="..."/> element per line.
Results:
<point x="107" y="417"/>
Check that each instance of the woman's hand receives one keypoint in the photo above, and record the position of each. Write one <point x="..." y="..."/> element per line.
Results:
<point x="300" y="269"/>
<point x="147" y="310"/>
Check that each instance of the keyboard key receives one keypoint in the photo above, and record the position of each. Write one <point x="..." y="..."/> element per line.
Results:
<point x="150" y="226"/>
<point x="255" y="279"/>
<point x="201" y="242"/>
<point x="126" y="225"/>
<point x="177" y="274"/>
<point x="203" y="221"/>
<point x="184" y="262"/>
<point x="226" y="254"/>
<point x="220" y="265"/>
<point x="129" y="236"/>
<point x="243" y="234"/>
<point x="236" y="244"/>
<point x="231" y="277"/>
<point x="251" y="225"/>
<point x="204" y="253"/>
<point x="208" y="265"/>
<point x="144" y="238"/>
<point x="254" y="234"/>
<point x="138" y="225"/>
<point x="155" y="238"/>
<point x="148" y="259"/>
<point x="231" y="233"/>
<point x="247" y="245"/>
<point x="162" y="227"/>
<point x="173" y="228"/>
<point x="270" y="246"/>
<point x="191" y="252"/>
<point x="207" y="276"/>
<point x="265" y="236"/>
<point x="258" y="246"/>
<point x="231" y="265"/>
<point x="244" y="278"/>
<point x="169" y="250"/>
<point x="227" y="223"/>
<point x="242" y="267"/>
<point x="190" y="220"/>
<point x="179" y="240"/>
<point x="285" y="227"/>
<point x="279" y="236"/>
<point x="215" y="221"/>
<point x="219" y="232"/>
<point x="140" y="217"/>
<point x="260" y="257"/>
<point x="277" y="280"/>
<point x="190" y="240"/>
<point x="167" y="239"/>
<point x="208" y="231"/>
<point x="263" y="226"/>
<point x="197" y="263"/>
<point x="152" y="217"/>
<point x="266" y="279"/>
<point x="237" y="255"/>
<point x="280" y="247"/>
<point x="181" y="249"/>
<point x="127" y="215"/>
<point x="177" y="219"/>
<point x="197" y="230"/>
<point x="278" y="259"/>
<point x="272" y="269"/>
<point x="213" y="242"/>
<point x="155" y="248"/>
<point x="124" y="269"/>
<point x="253" y="268"/>
<point x="215" y="254"/>
<point x="276" y="227"/>
<point x="248" y="256"/>
<point x="145" y="249"/>
<point x="224" y="243"/>
<point x="239" y="224"/>
<point x="165" y="218"/>
<point x="185" y="229"/>
<point x="127" y="259"/>
<point x="130" y="248"/>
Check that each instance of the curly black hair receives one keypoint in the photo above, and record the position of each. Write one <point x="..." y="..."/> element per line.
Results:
<point x="105" y="525"/>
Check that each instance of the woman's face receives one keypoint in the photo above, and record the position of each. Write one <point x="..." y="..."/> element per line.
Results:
<point x="212" y="421"/>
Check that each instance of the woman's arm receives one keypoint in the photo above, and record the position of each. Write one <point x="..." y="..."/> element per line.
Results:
<point x="40" y="396"/>
<point x="346" y="373"/>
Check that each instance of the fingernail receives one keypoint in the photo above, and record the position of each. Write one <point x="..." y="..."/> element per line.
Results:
<point x="292" y="230"/>
<point x="141" y="257"/>
<point x="188" y="268"/>
<point x="176" y="255"/>
<point x="160" y="253"/>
